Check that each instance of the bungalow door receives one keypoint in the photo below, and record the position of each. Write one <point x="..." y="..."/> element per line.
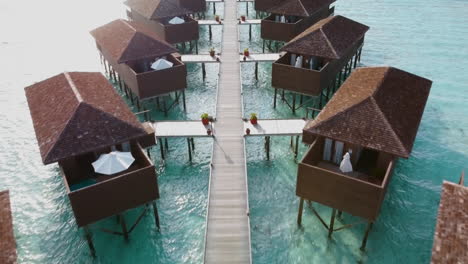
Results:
<point x="333" y="151"/>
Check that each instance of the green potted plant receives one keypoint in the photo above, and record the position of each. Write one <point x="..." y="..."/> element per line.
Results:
<point x="212" y="52"/>
<point x="253" y="118"/>
<point x="246" y="52"/>
<point x="205" y="119"/>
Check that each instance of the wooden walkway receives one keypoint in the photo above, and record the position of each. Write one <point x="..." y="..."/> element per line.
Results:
<point x="228" y="231"/>
<point x="181" y="129"/>
<point x="276" y="127"/>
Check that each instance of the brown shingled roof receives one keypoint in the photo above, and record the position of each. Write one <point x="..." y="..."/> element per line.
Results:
<point x="301" y="8"/>
<point x="78" y="112"/>
<point x="378" y="108"/>
<point x="128" y="41"/>
<point x="451" y="235"/>
<point x="329" y="38"/>
<point x="7" y="237"/>
<point x="157" y="9"/>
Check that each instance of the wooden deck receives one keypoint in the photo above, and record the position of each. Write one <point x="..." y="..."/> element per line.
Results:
<point x="228" y="232"/>
<point x="199" y="58"/>
<point x="276" y="127"/>
<point x="260" y="57"/>
<point x="181" y="129"/>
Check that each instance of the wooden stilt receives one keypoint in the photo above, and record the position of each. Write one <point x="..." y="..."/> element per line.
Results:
<point x="294" y="103"/>
<point x="196" y="46"/>
<point x="210" y="34"/>
<point x="274" y="99"/>
<point x="164" y="106"/>
<point x="148" y="152"/>
<point x="299" y="214"/>
<point x="124" y="227"/>
<point x="247" y="8"/>
<point x="214" y="8"/>
<point x="193" y="143"/>
<point x="166" y="144"/>
<point x="183" y="100"/>
<point x="267" y="145"/>
<point x="203" y="70"/>
<point x="366" y="235"/>
<point x="296" y="147"/>
<point x="256" y="71"/>
<point x="89" y="238"/>
<point x="156" y="215"/>
<point x="161" y="147"/>
<point x="340" y="213"/>
<point x="355" y="61"/>
<point x="263" y="46"/>
<point x="332" y="222"/>
<point x="189" y="150"/>
<point x="250" y="31"/>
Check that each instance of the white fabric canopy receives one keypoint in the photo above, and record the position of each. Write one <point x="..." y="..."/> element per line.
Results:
<point x="161" y="64"/>
<point x="176" y="20"/>
<point x="113" y="162"/>
<point x="345" y="165"/>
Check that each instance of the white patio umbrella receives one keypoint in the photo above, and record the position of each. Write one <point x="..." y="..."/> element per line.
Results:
<point x="345" y="165"/>
<point x="176" y="20"/>
<point x="113" y="162"/>
<point x="161" y="64"/>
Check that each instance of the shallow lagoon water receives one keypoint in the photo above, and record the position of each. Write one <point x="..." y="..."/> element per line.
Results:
<point x="424" y="37"/>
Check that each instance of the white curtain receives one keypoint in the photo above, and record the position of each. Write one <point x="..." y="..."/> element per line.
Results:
<point x="345" y="165"/>
<point x="298" y="62"/>
<point x="327" y="149"/>
<point x="338" y="152"/>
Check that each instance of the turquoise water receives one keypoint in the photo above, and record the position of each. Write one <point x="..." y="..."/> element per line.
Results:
<point x="425" y="37"/>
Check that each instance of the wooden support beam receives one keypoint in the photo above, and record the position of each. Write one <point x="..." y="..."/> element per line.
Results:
<point x="296" y="147"/>
<point x="332" y="222"/>
<point x="166" y="144"/>
<point x="203" y="70"/>
<point x="247" y="8"/>
<point x="189" y="149"/>
<point x="161" y="147"/>
<point x="274" y="99"/>
<point x="210" y="33"/>
<point x="193" y="143"/>
<point x="256" y="71"/>
<point x="156" y="216"/>
<point x="183" y="100"/>
<point x="294" y="103"/>
<point x="250" y="31"/>
<point x="366" y="235"/>
<point x="301" y="208"/>
<point x="214" y="8"/>
<point x="89" y="239"/>
<point x="124" y="227"/>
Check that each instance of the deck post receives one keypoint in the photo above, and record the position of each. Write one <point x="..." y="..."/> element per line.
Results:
<point x="124" y="227"/>
<point x="355" y="61"/>
<point x="131" y="96"/>
<point x="193" y="143"/>
<point x="294" y="103"/>
<point x="359" y="54"/>
<point x="274" y="100"/>
<point x="282" y="95"/>
<point x="164" y="107"/>
<point x="166" y="144"/>
<point x="90" y="241"/>
<point x="105" y="67"/>
<point x="214" y="8"/>
<point x="320" y="100"/>
<point x="366" y="235"/>
<point x="203" y="70"/>
<point x="339" y="78"/>
<point x="183" y="100"/>
<point x="126" y="89"/>
<point x="299" y="214"/>
<point x="119" y="82"/>
<point x="296" y="148"/>
<point x="189" y="150"/>
<point x="267" y="146"/>
<point x="148" y="152"/>
<point x="332" y="222"/>
<point x="196" y="46"/>
<point x="263" y="45"/>
<point x="256" y="71"/>
<point x="250" y="31"/>
<point x="156" y="215"/>
<point x="247" y="8"/>
<point x="161" y="146"/>
<point x="210" y="34"/>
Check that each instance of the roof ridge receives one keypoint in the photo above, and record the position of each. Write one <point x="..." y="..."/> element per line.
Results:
<point x="343" y="110"/>
<point x="328" y="41"/>
<point x="73" y="87"/>
<point x="388" y="123"/>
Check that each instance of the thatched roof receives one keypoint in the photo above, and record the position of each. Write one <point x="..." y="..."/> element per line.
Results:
<point x="378" y="108"/>
<point x="79" y="112"/>
<point x="330" y="38"/>
<point x="451" y="235"/>
<point x="157" y="9"/>
<point x="301" y="8"/>
<point x="129" y="41"/>
<point x="7" y="237"/>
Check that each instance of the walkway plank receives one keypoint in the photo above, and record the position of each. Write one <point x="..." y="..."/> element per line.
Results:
<point x="228" y="233"/>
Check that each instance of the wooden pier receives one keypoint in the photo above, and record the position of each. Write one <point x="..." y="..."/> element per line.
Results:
<point x="228" y="227"/>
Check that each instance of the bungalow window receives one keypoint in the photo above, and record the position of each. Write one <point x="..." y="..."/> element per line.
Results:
<point x="333" y="151"/>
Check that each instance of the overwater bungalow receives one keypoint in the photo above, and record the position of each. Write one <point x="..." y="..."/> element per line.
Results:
<point x="451" y="234"/>
<point x="144" y="62"/>
<point x="167" y="18"/>
<point x="7" y="237"/>
<point x="288" y="18"/>
<point x="82" y="124"/>
<point x="321" y="57"/>
<point x="356" y="140"/>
